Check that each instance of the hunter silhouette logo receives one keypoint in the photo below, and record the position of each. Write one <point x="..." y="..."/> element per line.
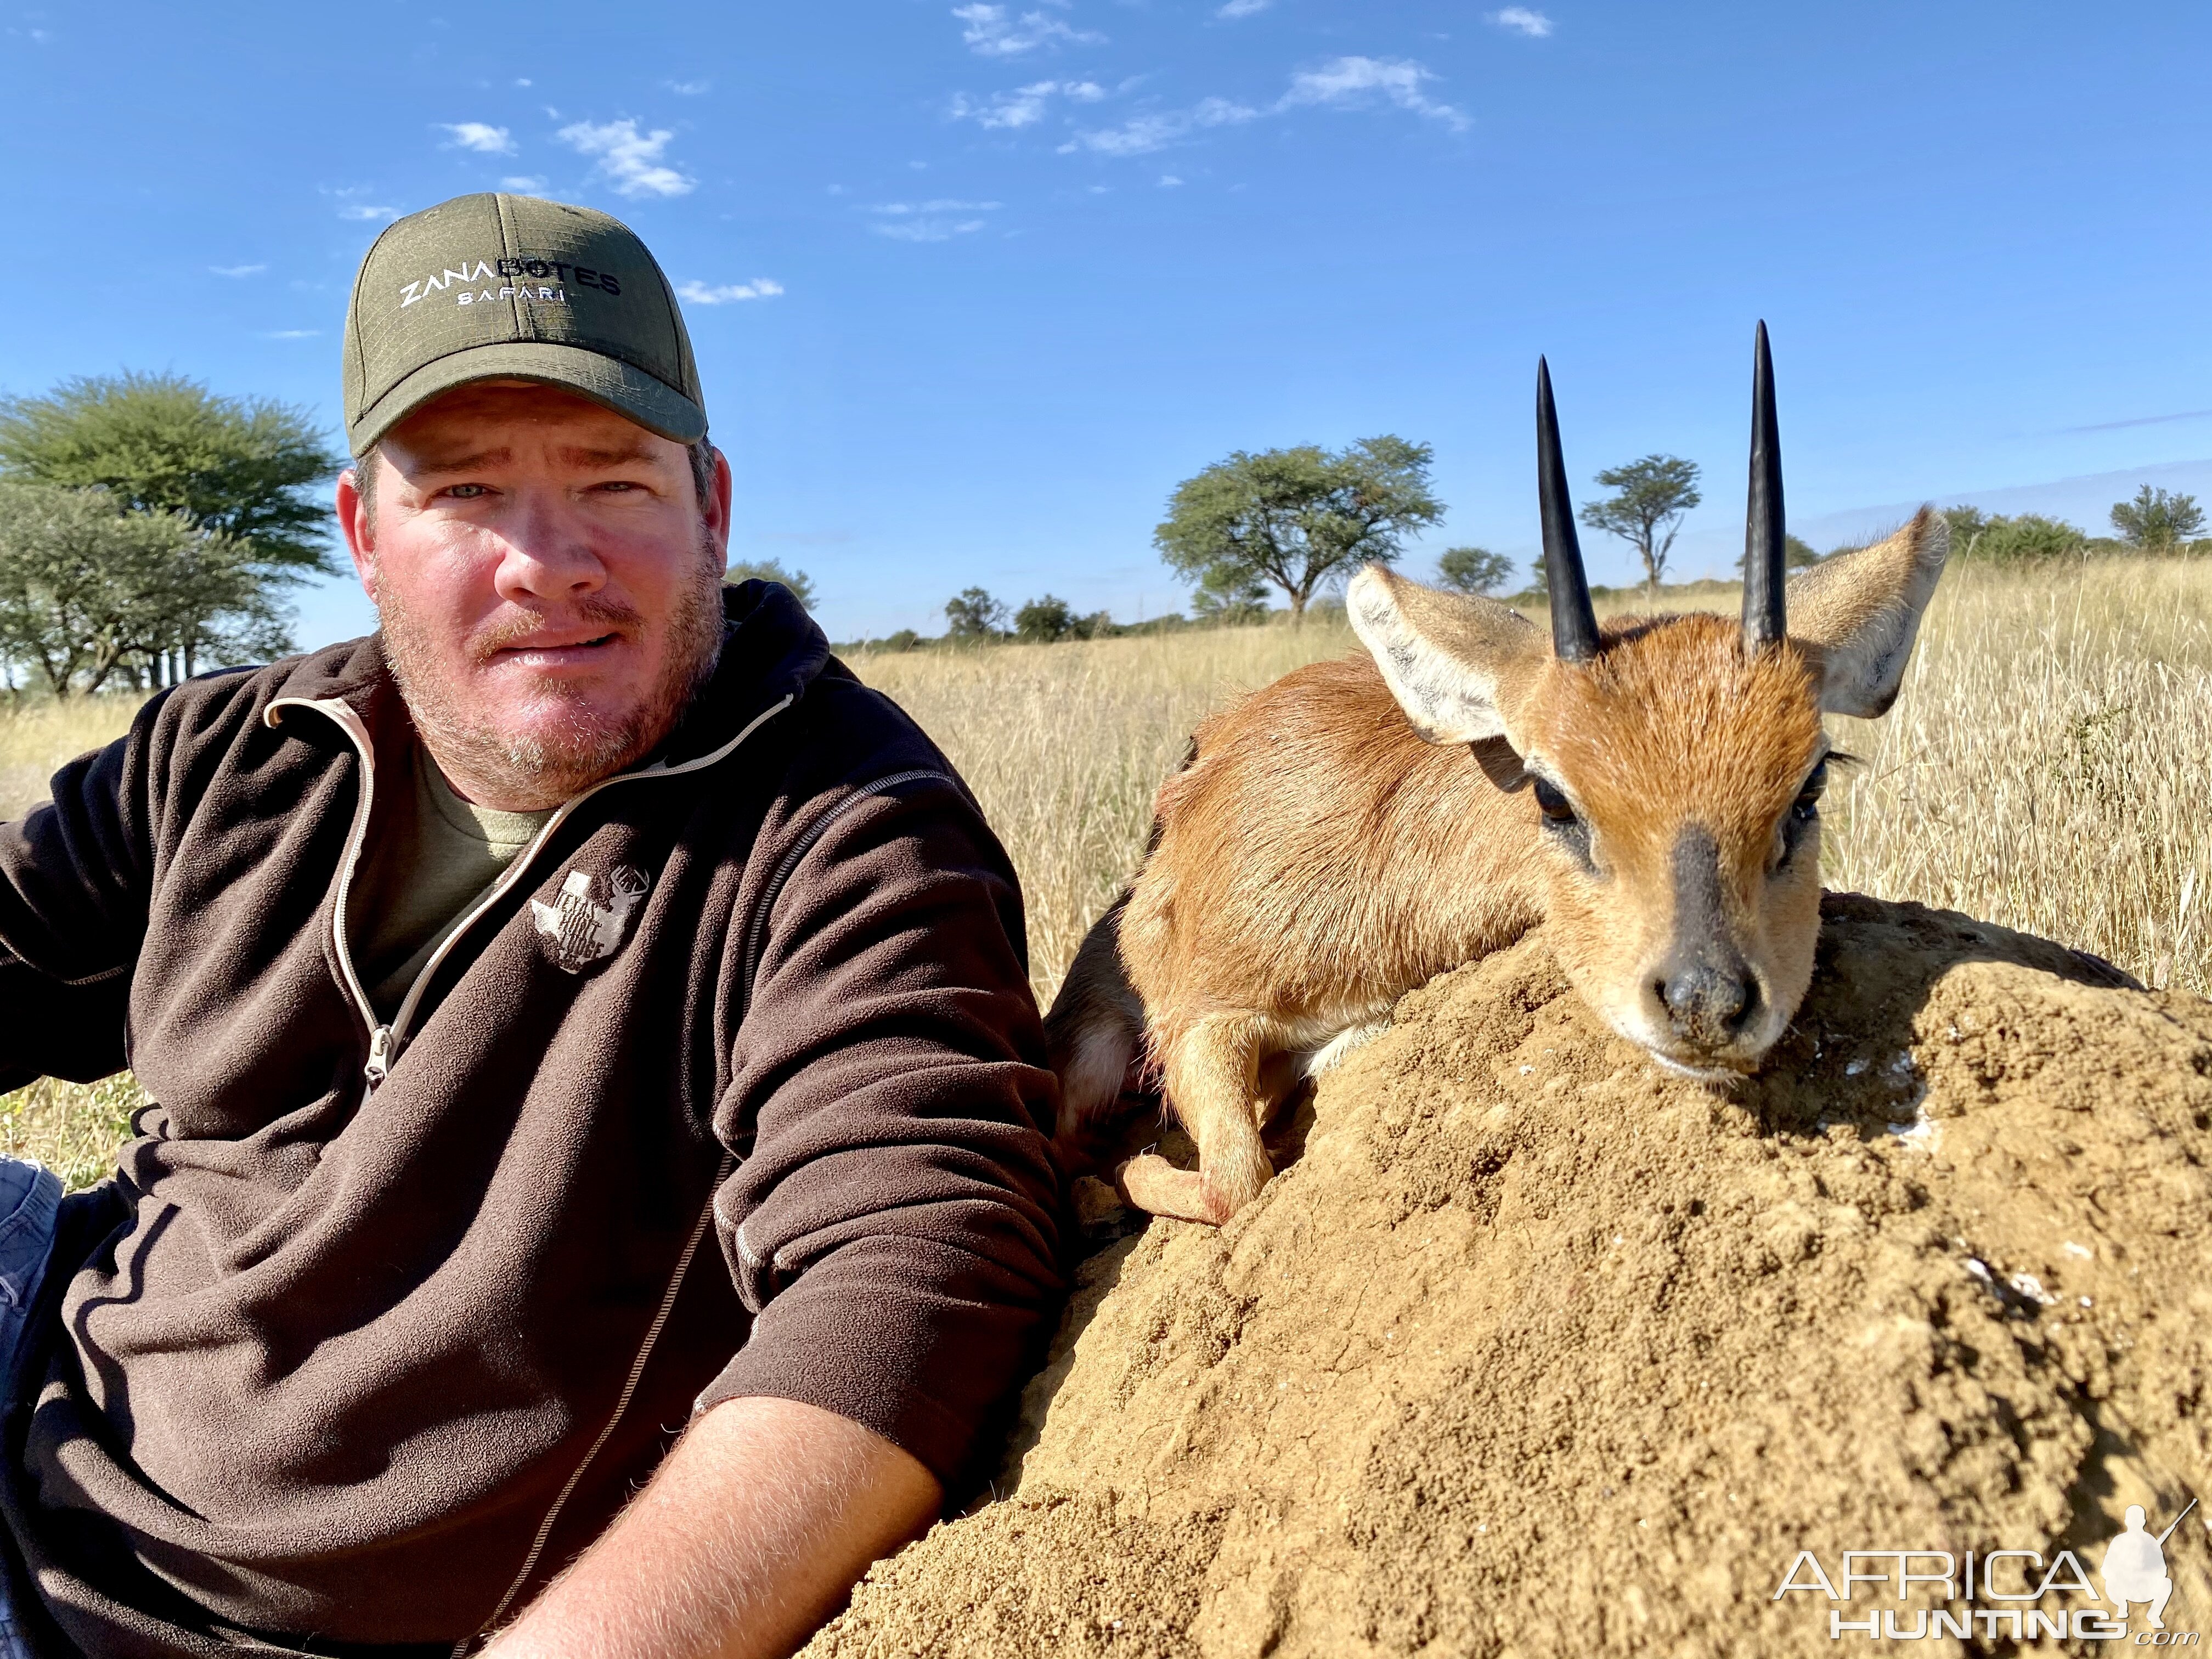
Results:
<point x="580" y="931"/>
<point x="2135" y="1566"/>
<point x="2014" y="1582"/>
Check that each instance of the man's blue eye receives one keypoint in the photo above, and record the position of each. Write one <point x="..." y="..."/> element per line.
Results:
<point x="465" y="492"/>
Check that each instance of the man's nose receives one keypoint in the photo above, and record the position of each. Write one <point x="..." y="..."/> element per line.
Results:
<point x="548" y="555"/>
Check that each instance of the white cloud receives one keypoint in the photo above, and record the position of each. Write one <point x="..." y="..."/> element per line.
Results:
<point x="291" y="333"/>
<point x="523" y="183"/>
<point x="1343" y="83"/>
<point x="940" y="205"/>
<point x="478" y="136"/>
<point x="522" y="80"/>
<point x="929" y="230"/>
<point x="1025" y="106"/>
<point x="364" y="210"/>
<point x="761" y="288"/>
<point x="991" y="32"/>
<point x="1350" y="80"/>
<point x="1244" y="8"/>
<point x="237" y="271"/>
<point x="1523" y="20"/>
<point x="1168" y="181"/>
<point x="1142" y="134"/>
<point x="631" y="160"/>
<point x="928" y="222"/>
<point x="688" y="89"/>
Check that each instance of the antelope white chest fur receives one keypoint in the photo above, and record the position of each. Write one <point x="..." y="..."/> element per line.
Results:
<point x="1650" y="788"/>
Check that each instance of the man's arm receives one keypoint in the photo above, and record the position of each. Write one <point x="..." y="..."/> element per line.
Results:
<point x="750" y="1533"/>
<point x="893" y="1225"/>
<point x="75" y="873"/>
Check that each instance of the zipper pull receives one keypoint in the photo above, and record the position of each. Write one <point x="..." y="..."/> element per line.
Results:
<point x="379" y="1055"/>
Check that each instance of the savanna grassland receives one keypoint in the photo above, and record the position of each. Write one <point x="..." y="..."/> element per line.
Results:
<point x="2048" y="766"/>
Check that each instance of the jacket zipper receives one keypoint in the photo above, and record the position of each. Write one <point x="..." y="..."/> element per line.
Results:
<point x="386" y="1040"/>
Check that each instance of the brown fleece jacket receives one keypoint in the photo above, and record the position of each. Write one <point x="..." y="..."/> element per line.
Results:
<point x="324" y="1382"/>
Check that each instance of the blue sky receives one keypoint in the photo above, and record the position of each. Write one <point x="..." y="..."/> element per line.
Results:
<point x="978" y="284"/>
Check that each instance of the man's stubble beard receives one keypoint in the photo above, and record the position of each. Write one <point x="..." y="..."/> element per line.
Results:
<point x="548" y="767"/>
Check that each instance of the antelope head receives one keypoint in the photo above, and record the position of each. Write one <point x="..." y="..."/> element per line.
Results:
<point x="1675" y="763"/>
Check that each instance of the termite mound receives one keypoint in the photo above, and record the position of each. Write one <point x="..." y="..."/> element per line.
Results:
<point x="1532" y="1349"/>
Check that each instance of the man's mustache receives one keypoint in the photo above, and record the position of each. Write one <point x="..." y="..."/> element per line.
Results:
<point x="505" y="632"/>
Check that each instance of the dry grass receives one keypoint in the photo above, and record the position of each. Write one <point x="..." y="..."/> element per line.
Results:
<point x="2048" y="766"/>
<point x="72" y="1129"/>
<point x="39" y="737"/>
<point x="1066" y="744"/>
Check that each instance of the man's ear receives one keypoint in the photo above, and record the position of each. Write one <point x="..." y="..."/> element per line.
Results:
<point x="1452" y="661"/>
<point x="717" y="515"/>
<point x="1860" y="612"/>
<point x="355" y="525"/>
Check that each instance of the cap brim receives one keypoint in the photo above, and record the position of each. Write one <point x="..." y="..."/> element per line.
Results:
<point x="629" y="391"/>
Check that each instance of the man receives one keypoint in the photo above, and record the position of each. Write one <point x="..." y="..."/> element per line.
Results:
<point x="2134" y="1568"/>
<point x="484" y="971"/>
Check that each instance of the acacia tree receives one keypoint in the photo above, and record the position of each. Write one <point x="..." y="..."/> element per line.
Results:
<point x="973" y="614"/>
<point x="1472" y="569"/>
<point x="244" y="470"/>
<point x="1645" y="510"/>
<point x="2156" y="520"/>
<point x="88" y="587"/>
<point x="767" y="570"/>
<point x="1297" y="519"/>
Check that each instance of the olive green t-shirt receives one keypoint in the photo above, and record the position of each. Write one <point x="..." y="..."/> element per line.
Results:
<point x="434" y="855"/>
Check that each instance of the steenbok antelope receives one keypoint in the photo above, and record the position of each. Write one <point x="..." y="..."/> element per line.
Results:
<point x="1650" y="789"/>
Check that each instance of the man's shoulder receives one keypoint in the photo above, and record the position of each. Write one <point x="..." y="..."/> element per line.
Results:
<point x="219" y="706"/>
<point x="335" y="671"/>
<point x="846" y="732"/>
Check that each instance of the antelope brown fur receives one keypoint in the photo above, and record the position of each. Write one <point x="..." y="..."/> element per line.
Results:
<point x="1649" y="790"/>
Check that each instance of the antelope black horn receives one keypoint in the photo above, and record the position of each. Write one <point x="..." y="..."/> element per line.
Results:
<point x="1574" y="624"/>
<point x="1765" y="615"/>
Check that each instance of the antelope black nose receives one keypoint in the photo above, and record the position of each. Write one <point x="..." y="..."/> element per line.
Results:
<point x="1706" y="1005"/>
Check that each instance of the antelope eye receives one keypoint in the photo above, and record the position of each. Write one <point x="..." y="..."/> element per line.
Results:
<point x="1806" y="806"/>
<point x="1554" y="804"/>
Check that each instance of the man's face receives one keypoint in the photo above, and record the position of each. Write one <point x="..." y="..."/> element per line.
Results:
<point x="548" y="582"/>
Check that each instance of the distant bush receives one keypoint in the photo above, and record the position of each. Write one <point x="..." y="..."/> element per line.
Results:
<point x="1043" y="621"/>
<point x="2028" y="538"/>
<point x="767" y="570"/>
<point x="1228" y="595"/>
<point x="1797" y="554"/>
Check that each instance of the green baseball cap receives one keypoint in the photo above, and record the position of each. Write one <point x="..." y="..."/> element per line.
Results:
<point x="495" y="287"/>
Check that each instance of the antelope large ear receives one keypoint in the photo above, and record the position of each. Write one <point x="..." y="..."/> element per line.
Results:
<point x="1860" y="613"/>
<point x="1452" y="660"/>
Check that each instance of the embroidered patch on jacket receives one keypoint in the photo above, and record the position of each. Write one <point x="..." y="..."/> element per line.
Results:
<point x="578" y="930"/>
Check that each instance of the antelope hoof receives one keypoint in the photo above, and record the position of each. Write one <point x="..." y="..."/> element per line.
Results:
<point x="1149" y="1182"/>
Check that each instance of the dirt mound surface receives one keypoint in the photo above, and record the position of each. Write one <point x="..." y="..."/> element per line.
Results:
<point x="1533" y="1350"/>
